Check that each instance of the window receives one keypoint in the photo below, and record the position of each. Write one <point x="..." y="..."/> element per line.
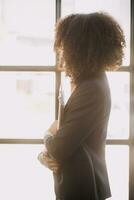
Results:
<point x="29" y="82"/>
<point x="27" y="32"/>
<point x="27" y="98"/>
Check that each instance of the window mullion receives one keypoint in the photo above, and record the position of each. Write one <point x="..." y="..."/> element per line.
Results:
<point x="58" y="74"/>
<point x="131" y="154"/>
<point x="27" y="68"/>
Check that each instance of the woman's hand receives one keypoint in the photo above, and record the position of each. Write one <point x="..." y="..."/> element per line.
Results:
<point x="44" y="157"/>
<point x="49" y="162"/>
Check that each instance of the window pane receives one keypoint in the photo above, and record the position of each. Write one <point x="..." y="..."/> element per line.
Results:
<point x="117" y="158"/>
<point x="27" y="28"/>
<point x="66" y="87"/>
<point x="27" y="104"/>
<point x="22" y="177"/>
<point x="120" y="9"/>
<point x="119" y="118"/>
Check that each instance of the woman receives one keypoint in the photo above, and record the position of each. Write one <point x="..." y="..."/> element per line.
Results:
<point x="88" y="45"/>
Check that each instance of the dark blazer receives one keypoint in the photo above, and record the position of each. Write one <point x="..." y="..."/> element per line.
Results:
<point x="79" y="144"/>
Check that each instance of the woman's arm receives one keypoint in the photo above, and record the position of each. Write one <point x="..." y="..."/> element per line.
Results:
<point x="83" y="113"/>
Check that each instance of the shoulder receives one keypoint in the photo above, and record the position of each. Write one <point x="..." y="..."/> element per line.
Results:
<point x="96" y="84"/>
<point x="94" y="89"/>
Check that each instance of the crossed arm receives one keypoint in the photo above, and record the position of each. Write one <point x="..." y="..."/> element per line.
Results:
<point x="86" y="111"/>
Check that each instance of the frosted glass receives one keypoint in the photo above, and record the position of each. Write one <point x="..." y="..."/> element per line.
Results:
<point x="21" y="174"/>
<point x="27" y="32"/>
<point x="27" y="104"/>
<point x="117" y="158"/>
<point x="118" y="127"/>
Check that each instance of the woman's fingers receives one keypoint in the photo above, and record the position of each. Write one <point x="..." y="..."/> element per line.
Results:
<point x="50" y="162"/>
<point x="54" y="169"/>
<point x="52" y="166"/>
<point x="49" y="159"/>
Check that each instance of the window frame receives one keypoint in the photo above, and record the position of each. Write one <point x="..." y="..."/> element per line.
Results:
<point x="130" y="69"/>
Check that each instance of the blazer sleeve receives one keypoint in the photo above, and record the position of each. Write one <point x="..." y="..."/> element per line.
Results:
<point x="79" y="122"/>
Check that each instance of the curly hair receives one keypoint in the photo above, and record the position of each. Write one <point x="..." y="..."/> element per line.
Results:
<point x="88" y="43"/>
